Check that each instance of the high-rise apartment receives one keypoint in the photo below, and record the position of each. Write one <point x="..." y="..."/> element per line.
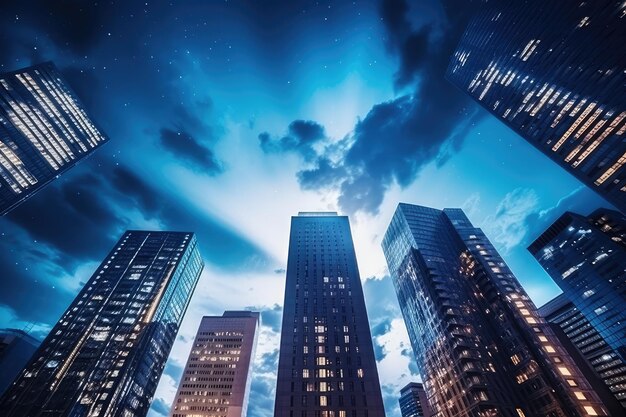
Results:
<point x="553" y="71"/>
<point x="586" y="257"/>
<point x="413" y="401"/>
<point x="326" y="366"/>
<point x="105" y="355"/>
<point x="577" y="333"/>
<point x="480" y="346"/>
<point x="44" y="131"/>
<point x="216" y="380"/>
<point x="16" y="348"/>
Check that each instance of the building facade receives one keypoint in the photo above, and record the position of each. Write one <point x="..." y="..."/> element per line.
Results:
<point x="326" y="366"/>
<point x="480" y="346"/>
<point x="217" y="377"/>
<point x="413" y="401"/>
<point x="105" y="355"/>
<point x="44" y="131"/>
<point x="586" y="257"/>
<point x="553" y="72"/>
<point x="576" y="331"/>
<point x="16" y="348"/>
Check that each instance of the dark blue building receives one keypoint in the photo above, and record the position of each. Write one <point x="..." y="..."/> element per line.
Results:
<point x="44" y="131"/>
<point x="603" y="366"/>
<point x="105" y="355"/>
<point x="326" y="366"/>
<point x="16" y="348"/>
<point x="480" y="346"/>
<point x="586" y="257"/>
<point x="413" y="401"/>
<point x="553" y="71"/>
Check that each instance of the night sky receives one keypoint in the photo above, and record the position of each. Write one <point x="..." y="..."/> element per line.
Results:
<point x="226" y="118"/>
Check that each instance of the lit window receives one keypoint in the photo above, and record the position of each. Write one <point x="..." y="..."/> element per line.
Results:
<point x="572" y="383"/>
<point x="564" y="371"/>
<point x="543" y="338"/>
<point x="580" y="395"/>
<point x="531" y="320"/>
<point x="601" y="310"/>
<point x="305" y="373"/>
<point x="549" y="349"/>
<point x="520" y="413"/>
<point x="590" y="410"/>
<point x="323" y="401"/>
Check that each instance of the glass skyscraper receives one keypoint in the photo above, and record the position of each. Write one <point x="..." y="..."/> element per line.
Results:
<point x="326" y="366"/>
<point x="44" y="131"/>
<point x="413" y="401"/>
<point x="105" y="355"/>
<point x="608" y="366"/>
<point x="481" y="348"/>
<point x="216" y="380"/>
<point x="586" y="257"/>
<point x="553" y="71"/>
<point x="16" y="349"/>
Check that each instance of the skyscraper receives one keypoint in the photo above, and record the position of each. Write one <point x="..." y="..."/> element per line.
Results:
<point x="480" y="346"/>
<point x="413" y="401"/>
<point x="105" y="355"/>
<point x="586" y="257"/>
<point x="326" y="366"/>
<point x="601" y="360"/>
<point x="16" y="348"/>
<point x="553" y="71"/>
<point x="44" y="131"/>
<point x="216" y="381"/>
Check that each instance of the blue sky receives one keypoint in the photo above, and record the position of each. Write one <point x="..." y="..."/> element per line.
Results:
<point x="226" y="118"/>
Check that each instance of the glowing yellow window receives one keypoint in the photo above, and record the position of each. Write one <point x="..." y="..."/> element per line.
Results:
<point x="549" y="349"/>
<point x="323" y="401"/>
<point x="531" y="320"/>
<point x="564" y="371"/>
<point x="524" y="311"/>
<point x="572" y="383"/>
<point x="520" y="413"/>
<point x="543" y="338"/>
<point x="580" y="395"/>
<point x="590" y="410"/>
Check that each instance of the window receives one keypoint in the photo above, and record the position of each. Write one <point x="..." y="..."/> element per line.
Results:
<point x="305" y="373"/>
<point x="580" y="395"/>
<point x="572" y="383"/>
<point x="564" y="371"/>
<point x="590" y="410"/>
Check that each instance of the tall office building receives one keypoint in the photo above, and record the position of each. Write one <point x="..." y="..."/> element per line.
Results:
<point x="577" y="333"/>
<point x="44" y="131"/>
<point x="105" y="355"/>
<point x="16" y="348"/>
<point x="553" y="71"/>
<point x="216" y="380"/>
<point x="480" y="346"/>
<point x="586" y="257"/>
<point x="326" y="366"/>
<point x="413" y="401"/>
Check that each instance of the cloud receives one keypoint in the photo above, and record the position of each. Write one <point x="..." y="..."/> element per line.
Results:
<point x="160" y="407"/>
<point x="508" y="226"/>
<point x="397" y="138"/>
<point x="185" y="146"/>
<point x="270" y="316"/>
<point x="301" y="137"/>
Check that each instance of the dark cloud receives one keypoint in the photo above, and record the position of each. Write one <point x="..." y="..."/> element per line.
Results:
<point x="135" y="189"/>
<point x="325" y="174"/>
<point x="301" y="137"/>
<point x="280" y="271"/>
<point x="185" y="146"/>
<point x="396" y="139"/>
<point x="72" y="215"/>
